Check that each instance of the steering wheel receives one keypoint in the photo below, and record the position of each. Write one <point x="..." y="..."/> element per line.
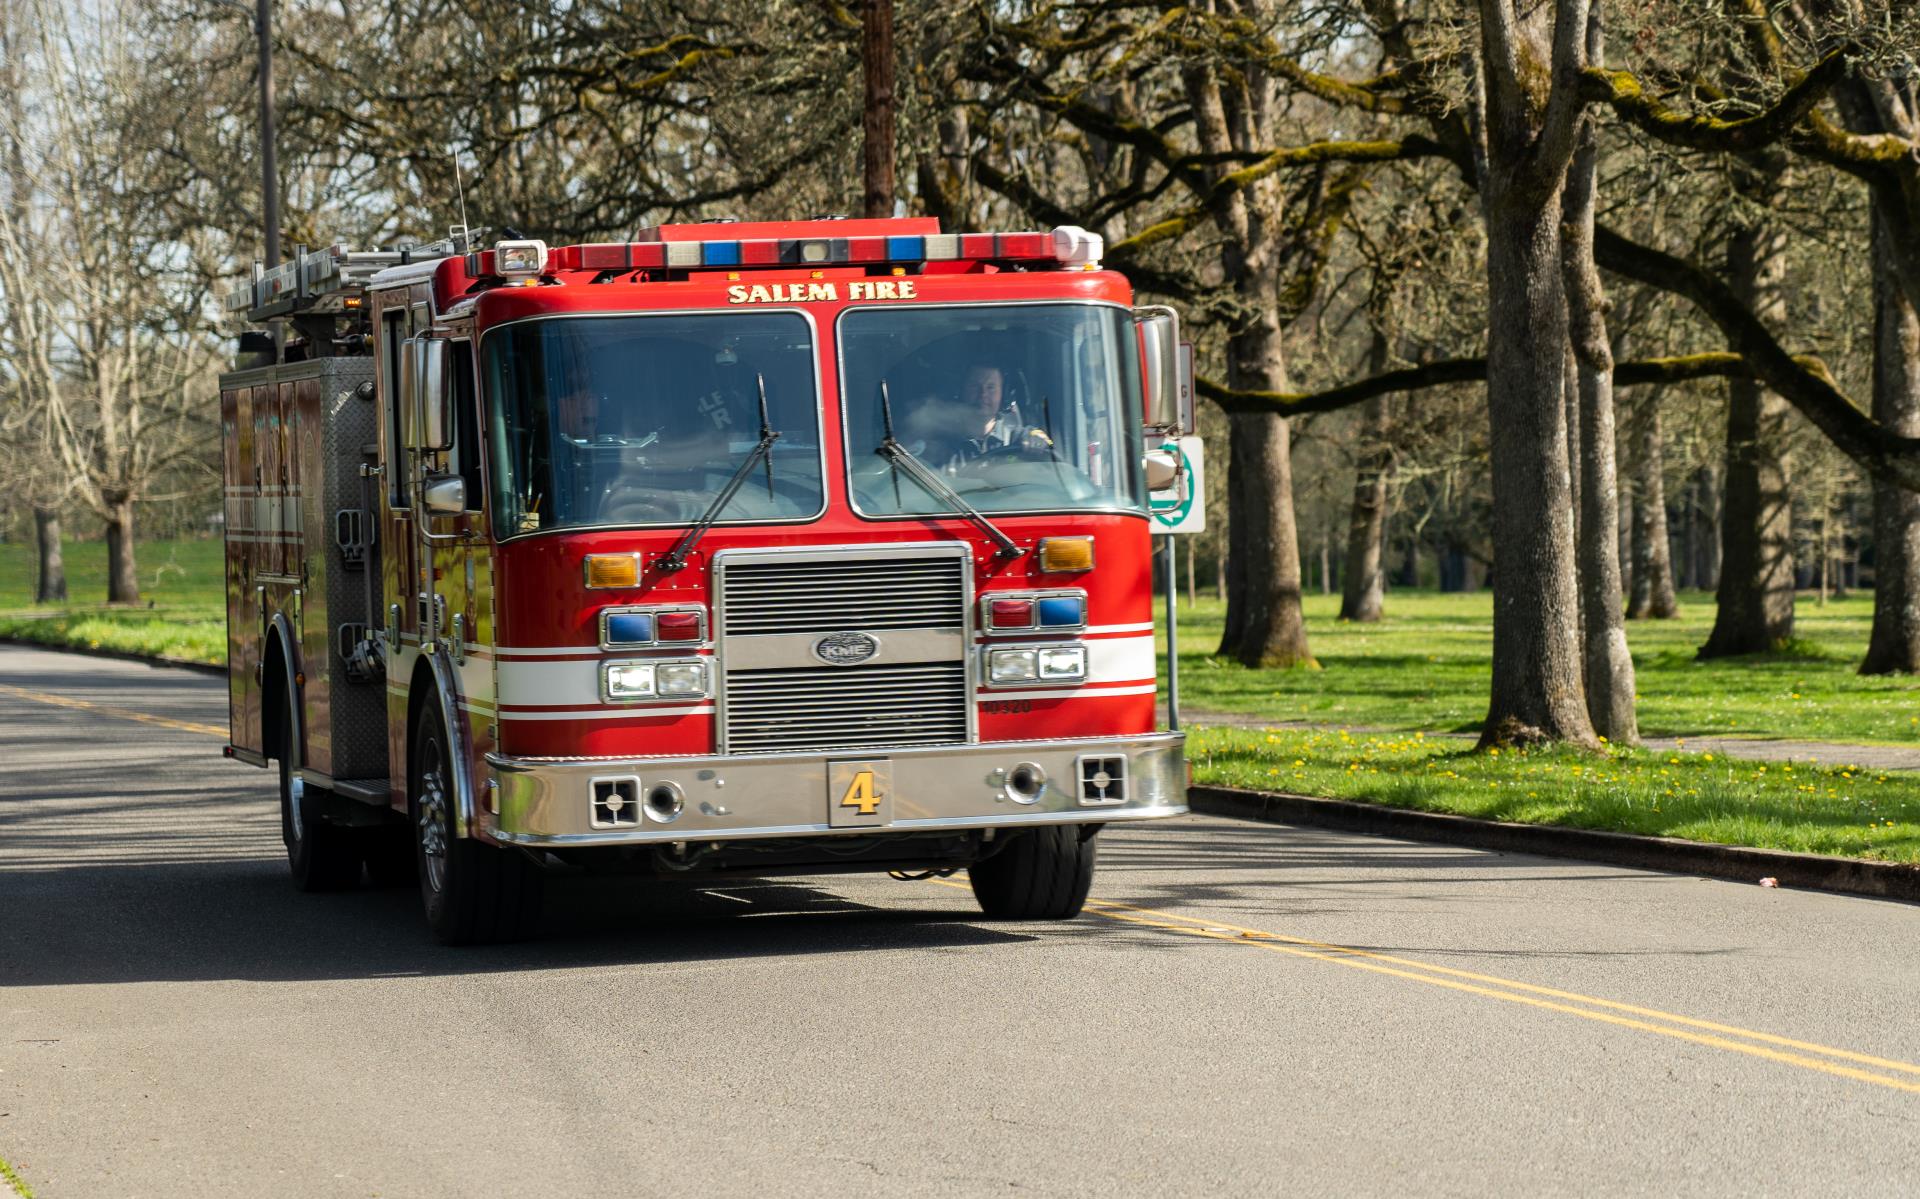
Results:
<point x="1016" y="451"/>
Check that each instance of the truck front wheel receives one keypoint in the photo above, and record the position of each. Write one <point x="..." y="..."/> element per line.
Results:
<point x="1044" y="874"/>
<point x="473" y="892"/>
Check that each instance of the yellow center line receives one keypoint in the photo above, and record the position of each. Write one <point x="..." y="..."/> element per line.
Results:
<point x="64" y="701"/>
<point x="1424" y="972"/>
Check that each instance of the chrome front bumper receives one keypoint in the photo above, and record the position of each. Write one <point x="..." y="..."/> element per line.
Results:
<point x="550" y="801"/>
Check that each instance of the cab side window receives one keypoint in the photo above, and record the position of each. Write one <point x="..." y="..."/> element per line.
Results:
<point x="466" y="421"/>
<point x="392" y="338"/>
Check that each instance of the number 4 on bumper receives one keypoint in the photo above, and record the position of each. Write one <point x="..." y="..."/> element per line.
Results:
<point x="859" y="794"/>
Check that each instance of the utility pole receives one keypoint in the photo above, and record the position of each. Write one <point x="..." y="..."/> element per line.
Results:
<point x="269" y="170"/>
<point x="876" y="55"/>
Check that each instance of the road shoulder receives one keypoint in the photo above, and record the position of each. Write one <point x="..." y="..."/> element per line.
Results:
<point x="1804" y="871"/>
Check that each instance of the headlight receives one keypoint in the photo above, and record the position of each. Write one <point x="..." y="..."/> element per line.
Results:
<point x="681" y="678"/>
<point x="1067" y="664"/>
<point x="1013" y="665"/>
<point x="636" y="682"/>
<point x="628" y="680"/>
<point x="1037" y="664"/>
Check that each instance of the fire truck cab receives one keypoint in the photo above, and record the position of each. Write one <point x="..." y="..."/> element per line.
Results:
<point x="736" y="548"/>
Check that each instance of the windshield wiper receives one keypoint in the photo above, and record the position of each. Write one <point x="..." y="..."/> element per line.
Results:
<point x="676" y="558"/>
<point x="902" y="458"/>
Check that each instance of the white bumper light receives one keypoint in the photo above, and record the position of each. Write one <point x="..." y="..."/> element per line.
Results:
<point x="1013" y="666"/>
<point x="681" y="679"/>
<point x="628" y="681"/>
<point x="653" y="682"/>
<point x="1063" y="665"/>
<point x="1047" y="665"/>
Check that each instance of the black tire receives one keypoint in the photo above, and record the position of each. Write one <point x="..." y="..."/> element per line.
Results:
<point x="473" y="893"/>
<point x="1044" y="874"/>
<point x="320" y="856"/>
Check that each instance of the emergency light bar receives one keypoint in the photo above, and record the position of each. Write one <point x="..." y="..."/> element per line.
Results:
<point x="1067" y="245"/>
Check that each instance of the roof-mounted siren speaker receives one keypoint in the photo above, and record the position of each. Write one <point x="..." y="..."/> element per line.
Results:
<point x="1074" y="246"/>
<point x="519" y="259"/>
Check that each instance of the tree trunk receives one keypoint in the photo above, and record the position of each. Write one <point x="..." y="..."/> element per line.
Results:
<point x="51" y="585"/>
<point x="1363" y="590"/>
<point x="1756" y="522"/>
<point x="123" y="575"/>
<point x="1537" y="692"/>
<point x="1628" y="549"/>
<point x="1265" y="626"/>
<point x="1274" y="633"/>
<point x="1240" y="518"/>
<point x="1711" y="496"/>
<point x="876" y="57"/>
<point x="1653" y="595"/>
<point x="1529" y="131"/>
<point x="1608" y="663"/>
<point x="1894" y="645"/>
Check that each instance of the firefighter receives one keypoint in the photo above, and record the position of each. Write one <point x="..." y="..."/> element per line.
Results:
<point x="981" y="421"/>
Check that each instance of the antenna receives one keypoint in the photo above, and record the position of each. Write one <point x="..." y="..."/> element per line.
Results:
<point x="460" y="188"/>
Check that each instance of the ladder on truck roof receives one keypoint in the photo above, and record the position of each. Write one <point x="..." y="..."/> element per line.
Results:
<point x="332" y="280"/>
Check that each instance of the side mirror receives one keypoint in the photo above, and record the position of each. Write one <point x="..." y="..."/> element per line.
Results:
<point x="445" y="495"/>
<point x="436" y="394"/>
<point x="1166" y="372"/>
<point x="1162" y="470"/>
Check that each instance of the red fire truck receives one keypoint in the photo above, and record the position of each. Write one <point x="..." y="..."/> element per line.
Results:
<point x="752" y="548"/>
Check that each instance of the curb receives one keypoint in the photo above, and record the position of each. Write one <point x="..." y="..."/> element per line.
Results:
<point x="1802" y="871"/>
<point x="124" y="655"/>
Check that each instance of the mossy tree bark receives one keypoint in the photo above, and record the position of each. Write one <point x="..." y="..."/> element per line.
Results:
<point x="1755" y="610"/>
<point x="1608" y="663"/>
<point x="1537" y="692"/>
<point x="1232" y="111"/>
<point x="1652" y="595"/>
<point x="1894" y="644"/>
<point x="1363" y="590"/>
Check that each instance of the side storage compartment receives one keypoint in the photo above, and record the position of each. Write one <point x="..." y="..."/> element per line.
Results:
<point x="346" y="708"/>
<point x="240" y="504"/>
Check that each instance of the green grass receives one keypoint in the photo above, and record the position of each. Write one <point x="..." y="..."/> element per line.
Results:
<point x="12" y="1177"/>
<point x="181" y="614"/>
<point x="1425" y="668"/>
<point x="1832" y="809"/>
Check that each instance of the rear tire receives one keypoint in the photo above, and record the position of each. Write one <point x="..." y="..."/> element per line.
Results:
<point x="320" y="856"/>
<point x="473" y="892"/>
<point x="1044" y="874"/>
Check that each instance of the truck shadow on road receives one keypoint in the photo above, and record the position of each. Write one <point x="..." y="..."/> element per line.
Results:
<point x="238" y="918"/>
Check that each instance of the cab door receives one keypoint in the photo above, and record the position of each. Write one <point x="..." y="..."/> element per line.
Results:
<point x="398" y="314"/>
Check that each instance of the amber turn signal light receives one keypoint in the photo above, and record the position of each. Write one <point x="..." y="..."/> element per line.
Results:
<point x="1066" y="555"/>
<point x="612" y="570"/>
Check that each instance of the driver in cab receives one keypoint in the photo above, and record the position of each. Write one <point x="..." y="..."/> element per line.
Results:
<point x="981" y="422"/>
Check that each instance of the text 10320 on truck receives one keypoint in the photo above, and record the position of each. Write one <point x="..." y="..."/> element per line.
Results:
<point x="736" y="548"/>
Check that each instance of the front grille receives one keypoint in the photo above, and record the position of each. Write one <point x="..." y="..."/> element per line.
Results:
<point x="846" y="707"/>
<point x="833" y="596"/>
<point x="774" y="610"/>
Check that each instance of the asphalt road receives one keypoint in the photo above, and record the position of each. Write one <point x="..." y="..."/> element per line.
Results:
<point x="1244" y="1009"/>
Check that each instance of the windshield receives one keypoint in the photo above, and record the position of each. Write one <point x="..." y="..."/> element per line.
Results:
<point x="642" y="419"/>
<point x="1021" y="408"/>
